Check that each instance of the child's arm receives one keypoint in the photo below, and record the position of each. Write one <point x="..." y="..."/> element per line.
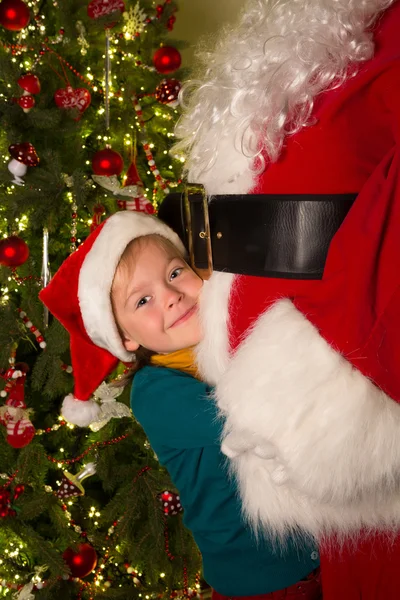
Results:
<point x="176" y="408"/>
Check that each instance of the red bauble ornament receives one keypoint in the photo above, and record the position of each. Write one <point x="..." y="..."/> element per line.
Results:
<point x="81" y="563"/>
<point x="171" y="503"/>
<point x="24" y="153"/>
<point x="29" y="83"/>
<point x="20" y="433"/>
<point x="14" y="15"/>
<point x="102" y="8"/>
<point x="167" y="92"/>
<point x="13" y="251"/>
<point x="107" y="162"/>
<point x="73" y="98"/>
<point x="167" y="60"/>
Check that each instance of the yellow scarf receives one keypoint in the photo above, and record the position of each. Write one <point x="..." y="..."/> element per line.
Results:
<point x="182" y="360"/>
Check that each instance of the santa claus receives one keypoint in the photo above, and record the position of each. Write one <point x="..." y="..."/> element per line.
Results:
<point x="293" y="132"/>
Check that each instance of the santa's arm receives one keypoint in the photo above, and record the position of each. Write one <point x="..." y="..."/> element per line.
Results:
<point x="337" y="436"/>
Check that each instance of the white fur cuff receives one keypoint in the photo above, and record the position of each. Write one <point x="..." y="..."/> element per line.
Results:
<point x="336" y="435"/>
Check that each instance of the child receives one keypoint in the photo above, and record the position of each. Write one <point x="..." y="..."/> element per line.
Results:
<point x="128" y="294"/>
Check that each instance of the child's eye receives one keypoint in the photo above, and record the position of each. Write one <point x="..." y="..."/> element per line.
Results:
<point x="176" y="272"/>
<point x="143" y="301"/>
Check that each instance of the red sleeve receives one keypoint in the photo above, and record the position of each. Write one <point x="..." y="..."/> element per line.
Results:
<point x="387" y="90"/>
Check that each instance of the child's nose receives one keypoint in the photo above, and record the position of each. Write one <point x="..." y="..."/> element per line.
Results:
<point x="173" y="296"/>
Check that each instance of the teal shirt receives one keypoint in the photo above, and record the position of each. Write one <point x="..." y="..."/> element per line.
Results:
<point x="181" y="422"/>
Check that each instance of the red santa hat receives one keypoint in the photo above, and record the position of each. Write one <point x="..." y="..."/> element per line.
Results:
<point x="79" y="297"/>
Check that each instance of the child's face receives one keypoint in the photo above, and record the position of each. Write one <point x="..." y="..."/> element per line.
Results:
<point x="155" y="299"/>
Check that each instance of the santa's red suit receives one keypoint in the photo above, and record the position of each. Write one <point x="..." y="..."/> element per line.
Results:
<point x="307" y="373"/>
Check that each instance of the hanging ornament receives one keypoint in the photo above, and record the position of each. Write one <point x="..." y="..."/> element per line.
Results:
<point x="23" y="156"/>
<point x="26" y="592"/>
<point x="26" y="102"/>
<point x="109" y="407"/>
<point x="13" y="251"/>
<point x="74" y="217"/>
<point x="146" y="147"/>
<point x="167" y="92"/>
<point x="81" y="563"/>
<point x="135" y="20"/>
<point x="18" y="169"/>
<point x="103" y="8"/>
<point x="32" y="328"/>
<point x="69" y="182"/>
<point x="141" y="204"/>
<point x="11" y="373"/>
<point x="82" y="41"/>
<point x="167" y="60"/>
<point x="107" y="162"/>
<point x="113" y="185"/>
<point x="15" y="377"/>
<point x="69" y="97"/>
<point x="29" y="83"/>
<point x="13" y="414"/>
<point x="98" y="211"/>
<point x="132" y="176"/>
<point x="19" y="432"/>
<point x="45" y="274"/>
<point x="138" y="202"/>
<point x="171" y="503"/>
<point x="71" y="484"/>
<point x="14" y="15"/>
<point x="25" y="153"/>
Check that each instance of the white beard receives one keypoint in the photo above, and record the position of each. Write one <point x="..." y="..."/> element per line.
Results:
<point x="260" y="83"/>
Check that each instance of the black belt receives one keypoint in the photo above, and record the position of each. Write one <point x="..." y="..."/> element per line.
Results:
<point x="268" y="235"/>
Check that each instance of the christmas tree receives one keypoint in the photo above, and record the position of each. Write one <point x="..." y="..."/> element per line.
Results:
<point x="88" y="102"/>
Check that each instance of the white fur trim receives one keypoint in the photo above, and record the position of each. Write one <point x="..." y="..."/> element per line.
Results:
<point x="97" y="274"/>
<point x="212" y="353"/>
<point x="79" y="412"/>
<point x="329" y="435"/>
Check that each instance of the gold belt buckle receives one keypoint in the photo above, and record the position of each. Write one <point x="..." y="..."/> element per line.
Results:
<point x="194" y="188"/>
